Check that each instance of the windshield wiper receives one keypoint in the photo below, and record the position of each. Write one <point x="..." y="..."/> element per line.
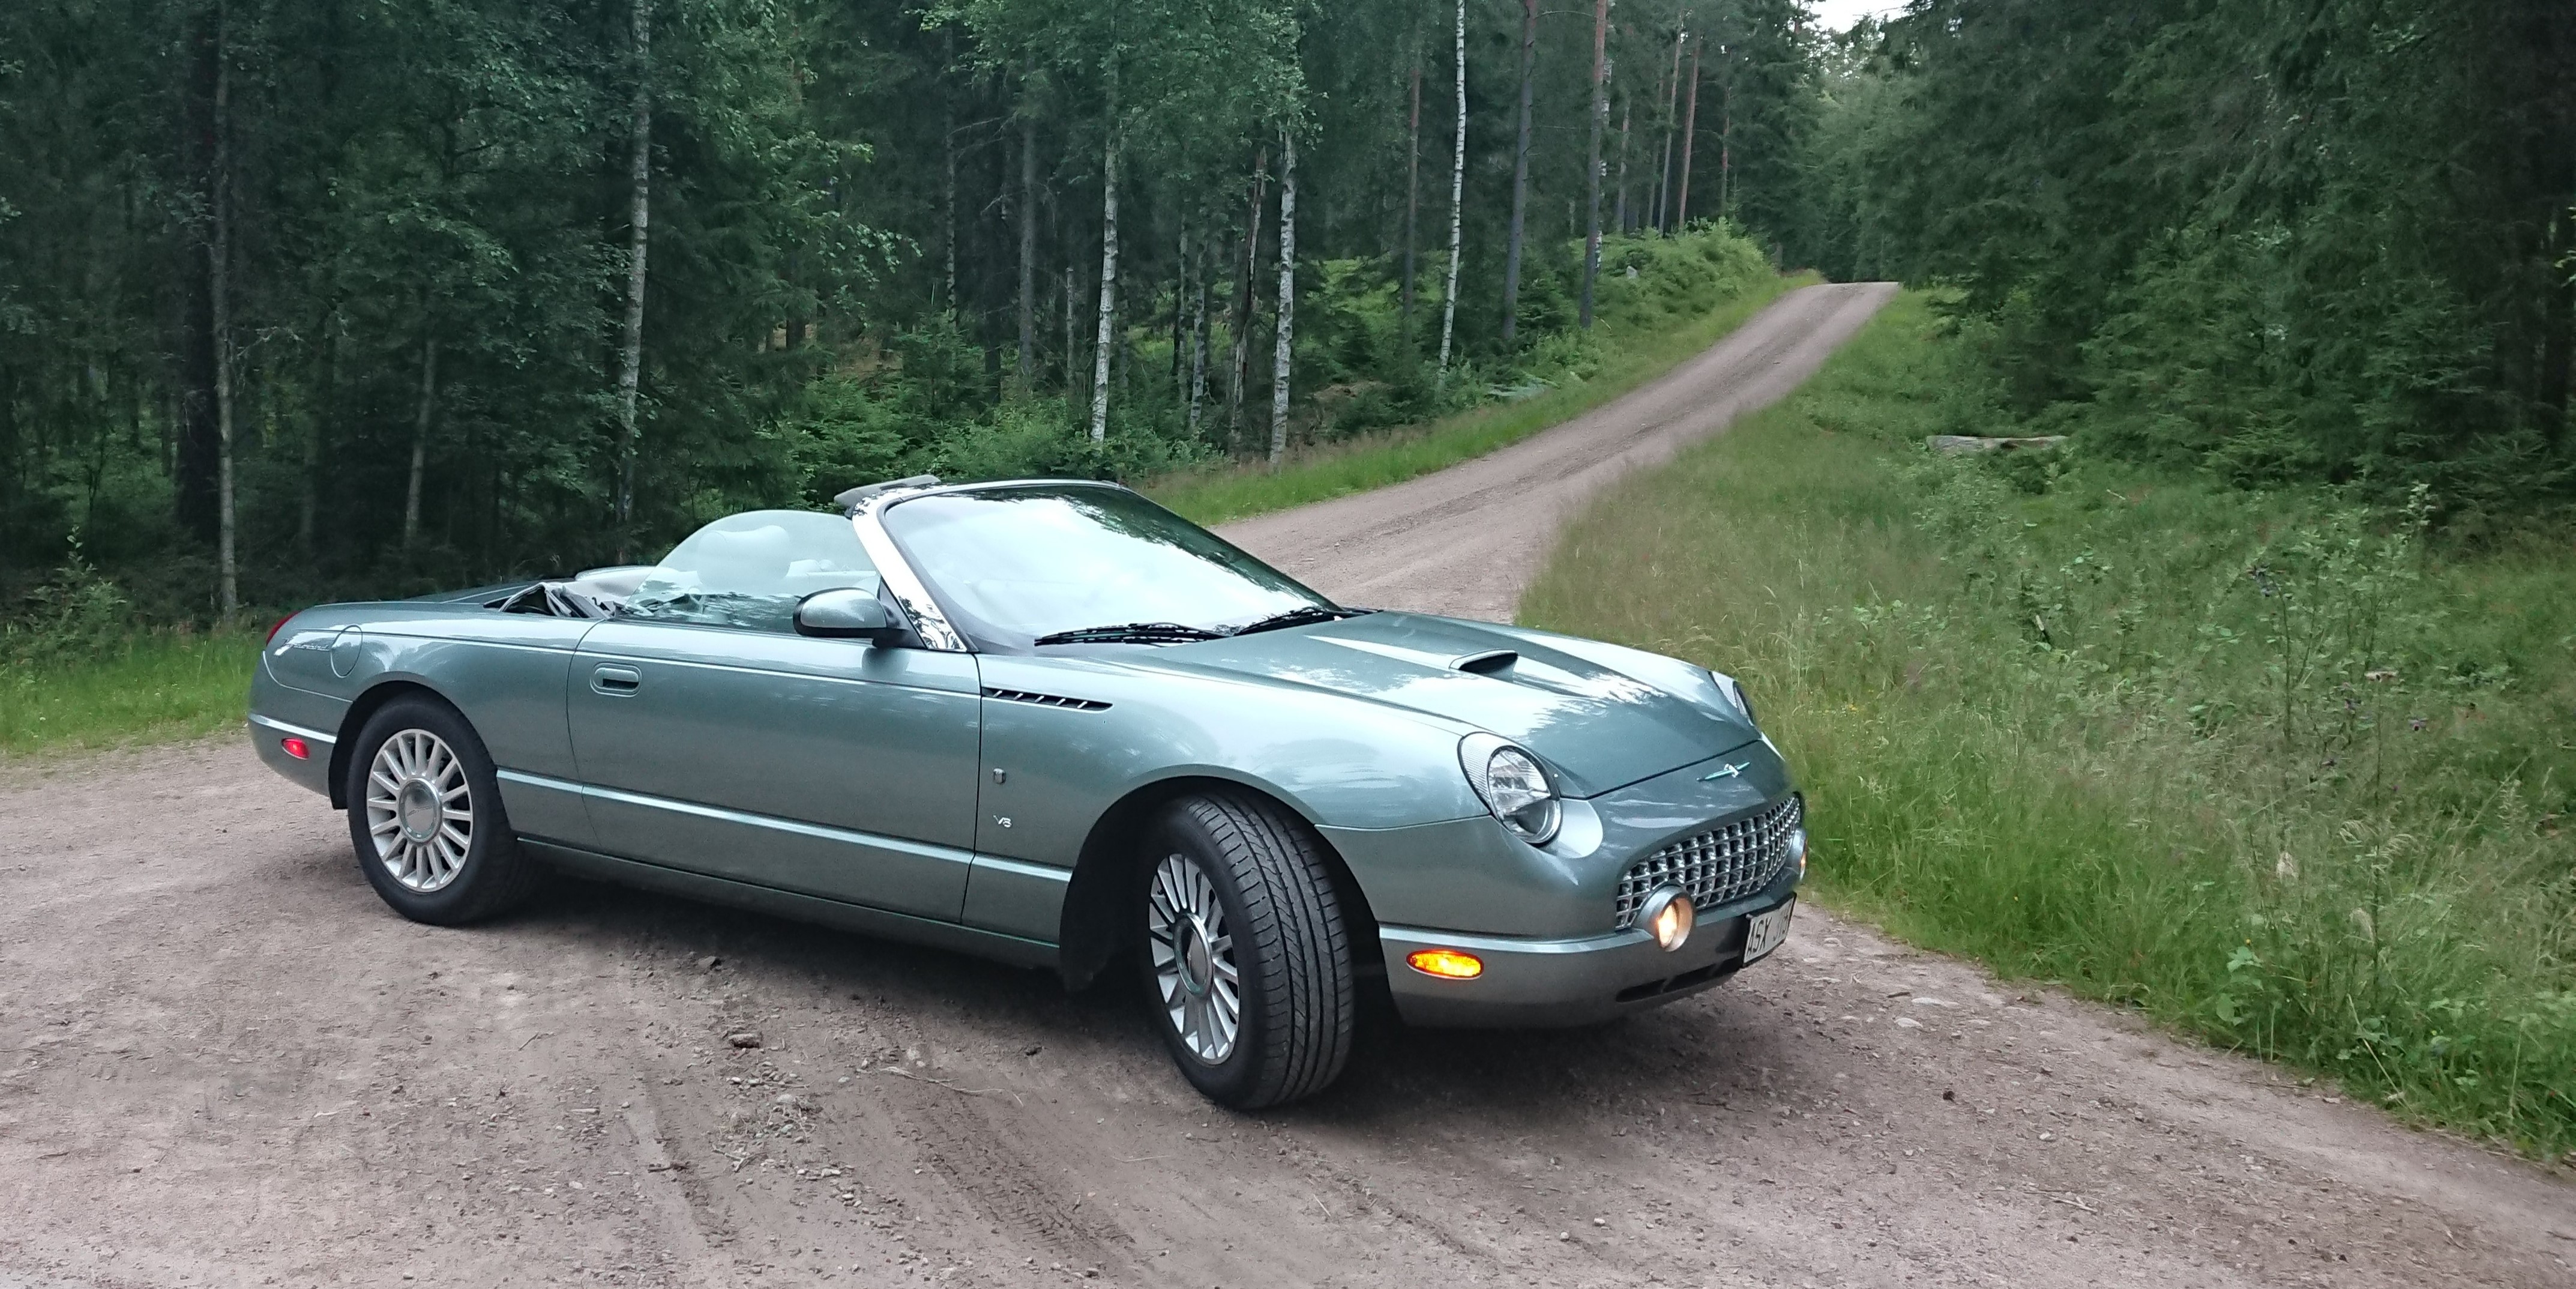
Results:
<point x="1296" y="617"/>
<point x="1130" y="633"/>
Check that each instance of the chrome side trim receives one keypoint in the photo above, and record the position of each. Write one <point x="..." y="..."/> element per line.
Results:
<point x="1021" y="868"/>
<point x="899" y="577"/>
<point x="744" y="817"/>
<point x="308" y="735"/>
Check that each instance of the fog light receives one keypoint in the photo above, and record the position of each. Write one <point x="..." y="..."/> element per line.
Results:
<point x="1448" y="964"/>
<point x="295" y="748"/>
<point x="1668" y="916"/>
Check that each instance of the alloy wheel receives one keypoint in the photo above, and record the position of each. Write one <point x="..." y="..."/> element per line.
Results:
<point x="420" y="810"/>
<point x="1193" y="959"/>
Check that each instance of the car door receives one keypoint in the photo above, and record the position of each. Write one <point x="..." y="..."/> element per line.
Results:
<point x="729" y="746"/>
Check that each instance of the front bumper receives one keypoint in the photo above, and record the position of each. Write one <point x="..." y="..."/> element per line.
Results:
<point x="1536" y="984"/>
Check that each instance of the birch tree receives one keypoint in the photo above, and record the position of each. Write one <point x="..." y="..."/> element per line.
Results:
<point x="639" y="213"/>
<point x="219" y="287"/>
<point x="1457" y="203"/>
<point x="1520" y="175"/>
<point x="1592" y="162"/>
<point x="1108" y="337"/>
<point x="1287" y="328"/>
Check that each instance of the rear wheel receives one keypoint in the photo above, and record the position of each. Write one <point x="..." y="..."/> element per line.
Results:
<point x="425" y="817"/>
<point x="1246" y="957"/>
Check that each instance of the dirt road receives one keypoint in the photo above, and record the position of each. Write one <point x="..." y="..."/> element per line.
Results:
<point x="222" y="1061"/>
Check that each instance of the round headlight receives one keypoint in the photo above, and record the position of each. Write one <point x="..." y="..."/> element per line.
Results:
<point x="1668" y="916"/>
<point x="1512" y="785"/>
<point x="1734" y="690"/>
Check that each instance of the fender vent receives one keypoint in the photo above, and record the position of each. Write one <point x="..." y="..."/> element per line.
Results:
<point x="1045" y="700"/>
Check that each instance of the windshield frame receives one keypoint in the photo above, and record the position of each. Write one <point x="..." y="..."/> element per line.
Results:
<point x="985" y="637"/>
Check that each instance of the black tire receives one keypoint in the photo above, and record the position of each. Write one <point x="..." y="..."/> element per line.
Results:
<point x="1299" y="1002"/>
<point x="493" y="875"/>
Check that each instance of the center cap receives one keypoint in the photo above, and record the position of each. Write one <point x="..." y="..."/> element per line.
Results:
<point x="418" y="810"/>
<point x="1195" y="965"/>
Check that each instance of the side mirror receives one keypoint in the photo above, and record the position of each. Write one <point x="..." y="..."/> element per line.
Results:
<point x="846" y="614"/>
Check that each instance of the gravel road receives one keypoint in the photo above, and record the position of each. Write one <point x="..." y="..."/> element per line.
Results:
<point x="222" y="1061"/>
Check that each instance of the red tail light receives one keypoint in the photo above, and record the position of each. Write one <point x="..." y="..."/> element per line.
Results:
<point x="295" y="747"/>
<point x="272" y="631"/>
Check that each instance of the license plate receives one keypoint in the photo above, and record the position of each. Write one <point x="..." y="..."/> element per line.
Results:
<point x="1764" y="931"/>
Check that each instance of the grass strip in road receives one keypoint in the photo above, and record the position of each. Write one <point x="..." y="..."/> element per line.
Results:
<point x="2275" y="769"/>
<point x="154" y="686"/>
<point x="1393" y="456"/>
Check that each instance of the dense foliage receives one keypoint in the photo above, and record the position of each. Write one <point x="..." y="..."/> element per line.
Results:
<point x="2284" y="239"/>
<point x="306" y="297"/>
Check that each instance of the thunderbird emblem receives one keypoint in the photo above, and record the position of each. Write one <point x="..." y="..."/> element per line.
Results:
<point x="1726" y="771"/>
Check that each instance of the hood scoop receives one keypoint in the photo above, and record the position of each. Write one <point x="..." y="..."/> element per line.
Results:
<point x="1487" y="663"/>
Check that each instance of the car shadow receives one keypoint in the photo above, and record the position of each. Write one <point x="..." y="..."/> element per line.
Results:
<point x="1721" y="1053"/>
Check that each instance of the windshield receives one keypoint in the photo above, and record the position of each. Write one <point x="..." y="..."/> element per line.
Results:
<point x="749" y="570"/>
<point x="1020" y="565"/>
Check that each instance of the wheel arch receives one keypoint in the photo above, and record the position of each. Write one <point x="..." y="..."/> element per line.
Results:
<point x="362" y="709"/>
<point x="1093" y="930"/>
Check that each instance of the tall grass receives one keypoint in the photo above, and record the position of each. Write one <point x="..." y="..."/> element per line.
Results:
<point x="150" y="686"/>
<point x="1639" y="336"/>
<point x="2267" y="767"/>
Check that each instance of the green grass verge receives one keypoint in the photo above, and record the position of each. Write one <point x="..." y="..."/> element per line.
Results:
<point x="1628" y="360"/>
<point x="2271" y="769"/>
<point x="153" y="687"/>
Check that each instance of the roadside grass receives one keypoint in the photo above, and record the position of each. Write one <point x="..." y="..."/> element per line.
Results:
<point x="1632" y="350"/>
<point x="2272" y="769"/>
<point x="154" y="686"/>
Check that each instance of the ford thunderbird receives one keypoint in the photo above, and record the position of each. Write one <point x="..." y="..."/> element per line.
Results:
<point x="1053" y="723"/>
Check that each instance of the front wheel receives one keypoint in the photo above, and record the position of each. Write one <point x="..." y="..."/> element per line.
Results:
<point x="425" y="817"/>
<point x="1246" y="956"/>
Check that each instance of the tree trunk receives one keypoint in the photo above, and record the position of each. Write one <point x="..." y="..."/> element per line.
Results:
<point x="1069" y="351"/>
<point x="1287" y="329"/>
<point x="1690" y="122"/>
<point x="1592" y="164"/>
<point x="1520" y="175"/>
<point x="310" y="502"/>
<point x="1726" y="140"/>
<point x="1672" y="91"/>
<point x="1108" y="284"/>
<point x="421" y="417"/>
<point x="1412" y="193"/>
<point x="1627" y="107"/>
<point x="190" y="434"/>
<point x="639" y="178"/>
<point x="948" y="208"/>
<point x="1457" y="195"/>
<point x="1199" y="348"/>
<point x="219" y="287"/>
<point x="1028" y="367"/>
<point x="1246" y="303"/>
<point x="1180" y="310"/>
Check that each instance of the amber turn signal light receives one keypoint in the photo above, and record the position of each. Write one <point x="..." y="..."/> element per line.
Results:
<point x="1448" y="964"/>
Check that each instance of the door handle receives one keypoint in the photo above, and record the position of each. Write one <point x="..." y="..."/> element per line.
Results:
<point x="616" y="682"/>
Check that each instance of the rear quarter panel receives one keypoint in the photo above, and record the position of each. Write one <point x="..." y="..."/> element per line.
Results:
<point x="505" y="672"/>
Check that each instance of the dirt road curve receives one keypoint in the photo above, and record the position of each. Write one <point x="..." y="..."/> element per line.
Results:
<point x="222" y="1061"/>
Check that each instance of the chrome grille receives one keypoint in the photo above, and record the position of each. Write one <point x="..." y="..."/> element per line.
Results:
<point x="1719" y="866"/>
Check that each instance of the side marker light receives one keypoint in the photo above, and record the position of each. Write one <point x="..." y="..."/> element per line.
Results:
<point x="1448" y="964"/>
<point x="295" y="747"/>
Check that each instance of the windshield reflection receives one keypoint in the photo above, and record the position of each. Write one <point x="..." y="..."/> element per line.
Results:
<point x="1089" y="562"/>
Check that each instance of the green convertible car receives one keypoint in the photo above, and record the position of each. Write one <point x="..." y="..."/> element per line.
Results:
<point x="1053" y="723"/>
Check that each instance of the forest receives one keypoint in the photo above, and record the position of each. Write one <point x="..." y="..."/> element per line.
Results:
<point x="313" y="297"/>
<point x="304" y="297"/>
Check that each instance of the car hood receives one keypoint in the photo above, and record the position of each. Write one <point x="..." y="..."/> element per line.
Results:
<point x="1601" y="716"/>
